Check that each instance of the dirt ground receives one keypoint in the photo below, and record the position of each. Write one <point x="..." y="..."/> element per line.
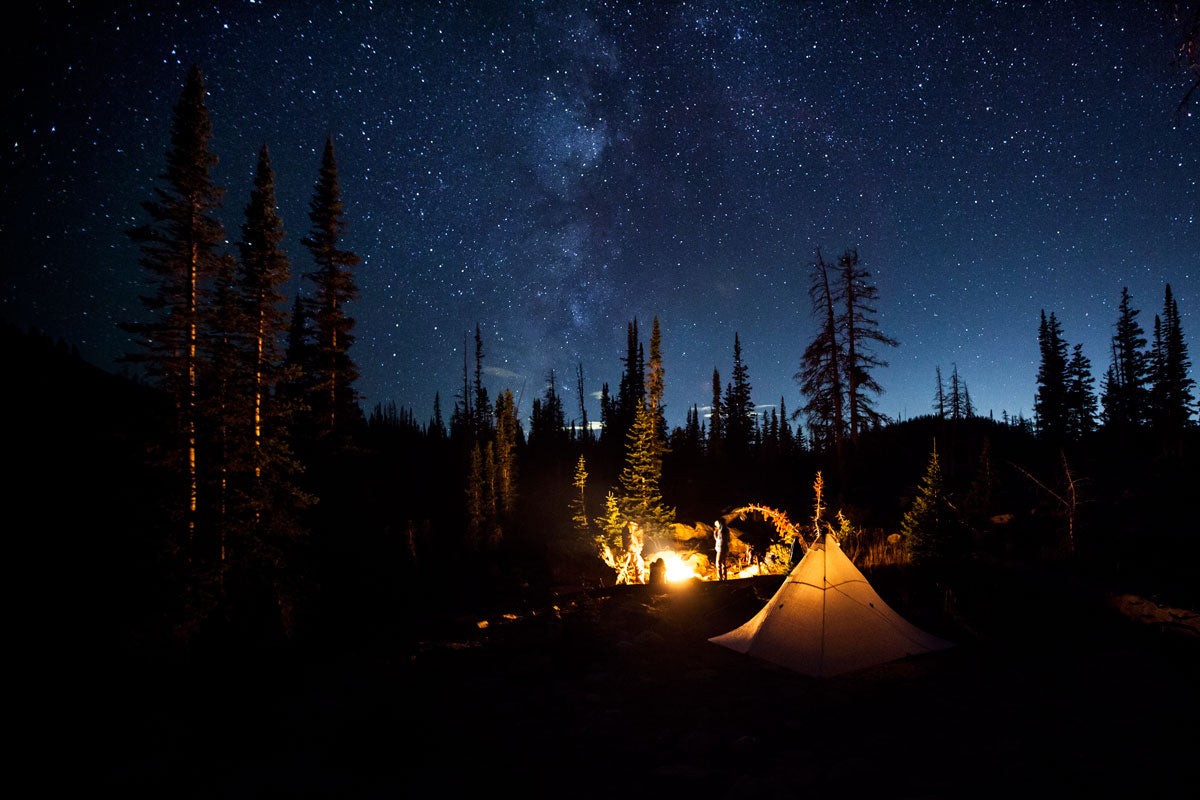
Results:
<point x="617" y="692"/>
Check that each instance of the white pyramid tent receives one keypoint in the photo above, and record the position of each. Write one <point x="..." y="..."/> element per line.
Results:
<point x="826" y="619"/>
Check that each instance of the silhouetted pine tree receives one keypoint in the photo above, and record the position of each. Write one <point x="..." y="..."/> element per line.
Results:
<point x="632" y="388"/>
<point x="606" y="416"/>
<point x="547" y="422"/>
<point x="1050" y="403"/>
<point x="586" y="435"/>
<point x="1172" y="388"/>
<point x="180" y="250"/>
<point x="1126" y="399"/>
<point x="939" y="397"/>
<point x="787" y="443"/>
<point x="739" y="408"/>
<point x="333" y="400"/>
<point x="821" y="375"/>
<point x="716" y="419"/>
<point x="1081" y="395"/>
<point x="437" y="428"/>
<point x="481" y="407"/>
<point x="859" y="328"/>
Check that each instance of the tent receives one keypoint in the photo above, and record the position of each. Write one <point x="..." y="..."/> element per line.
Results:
<point x="826" y="619"/>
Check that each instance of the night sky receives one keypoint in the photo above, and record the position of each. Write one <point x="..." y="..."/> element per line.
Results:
<point x="552" y="170"/>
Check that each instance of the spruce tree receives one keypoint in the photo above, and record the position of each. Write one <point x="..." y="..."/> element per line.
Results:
<point x="632" y="388"/>
<point x="641" y="498"/>
<point x="939" y="396"/>
<point x="1126" y="398"/>
<point x="1175" y="402"/>
<point x="333" y="399"/>
<point x="1081" y="395"/>
<point x="579" y="514"/>
<point x="482" y="407"/>
<point x="1050" y="403"/>
<point x="180" y="249"/>
<point x="716" y="420"/>
<point x="437" y="428"/>
<point x="786" y="443"/>
<point x="655" y="382"/>
<point x="930" y="529"/>
<point x="739" y="408"/>
<point x="606" y="415"/>
<point x="547" y="424"/>
<point x="265" y="269"/>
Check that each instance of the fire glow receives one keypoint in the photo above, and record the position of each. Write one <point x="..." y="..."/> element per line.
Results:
<point x="679" y="569"/>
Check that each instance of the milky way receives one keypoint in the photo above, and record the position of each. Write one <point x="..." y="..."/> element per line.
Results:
<point x="553" y="170"/>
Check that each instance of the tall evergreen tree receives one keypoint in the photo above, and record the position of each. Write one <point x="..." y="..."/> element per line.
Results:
<point x="929" y="528"/>
<point x="508" y="430"/>
<point x="547" y="424"/>
<point x="437" y="428"/>
<point x="787" y="443"/>
<point x="264" y="271"/>
<point x="333" y="400"/>
<point x="859" y="328"/>
<point x="606" y="415"/>
<point x="482" y="406"/>
<point x="583" y="418"/>
<point x="632" y="388"/>
<point x="939" y="397"/>
<point x="821" y="375"/>
<point x="1126" y="398"/>
<point x="180" y="248"/>
<point x="716" y="419"/>
<point x="640" y="497"/>
<point x="739" y="408"/>
<point x="1081" y="395"/>
<point x="1174" y="401"/>
<point x="656" y="383"/>
<point x="1050" y="404"/>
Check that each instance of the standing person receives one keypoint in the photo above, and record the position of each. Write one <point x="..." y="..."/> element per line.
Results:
<point x="722" y="536"/>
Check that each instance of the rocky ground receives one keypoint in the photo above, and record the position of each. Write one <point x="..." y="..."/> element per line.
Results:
<point x="617" y="692"/>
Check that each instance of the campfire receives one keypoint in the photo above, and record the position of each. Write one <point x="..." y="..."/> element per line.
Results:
<point x="631" y="566"/>
<point x="680" y="568"/>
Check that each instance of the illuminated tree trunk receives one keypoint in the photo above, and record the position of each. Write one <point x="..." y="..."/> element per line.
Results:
<point x="264" y="271"/>
<point x="180" y="251"/>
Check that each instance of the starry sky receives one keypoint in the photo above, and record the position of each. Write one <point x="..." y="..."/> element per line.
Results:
<point x="552" y="170"/>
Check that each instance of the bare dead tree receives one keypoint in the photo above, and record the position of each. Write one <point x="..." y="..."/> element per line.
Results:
<point x="1067" y="496"/>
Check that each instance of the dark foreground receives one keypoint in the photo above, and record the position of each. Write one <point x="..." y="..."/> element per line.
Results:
<point x="617" y="692"/>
